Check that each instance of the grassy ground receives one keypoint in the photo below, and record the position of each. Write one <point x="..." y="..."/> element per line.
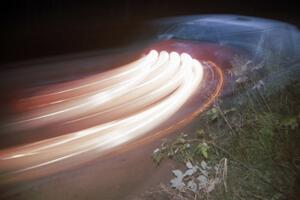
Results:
<point x="252" y="137"/>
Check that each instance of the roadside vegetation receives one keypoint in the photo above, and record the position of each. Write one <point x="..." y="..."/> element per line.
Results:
<point x="246" y="146"/>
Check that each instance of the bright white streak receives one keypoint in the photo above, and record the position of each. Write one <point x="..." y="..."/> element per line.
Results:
<point x="169" y="93"/>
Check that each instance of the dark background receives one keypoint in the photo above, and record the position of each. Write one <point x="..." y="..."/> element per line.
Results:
<point x="34" y="29"/>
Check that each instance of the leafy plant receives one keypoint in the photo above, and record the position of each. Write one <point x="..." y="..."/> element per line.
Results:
<point x="202" y="149"/>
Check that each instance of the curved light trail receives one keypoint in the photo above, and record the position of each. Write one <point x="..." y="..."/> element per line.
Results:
<point x="108" y="109"/>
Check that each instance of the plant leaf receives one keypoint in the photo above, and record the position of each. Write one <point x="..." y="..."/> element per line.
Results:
<point x="192" y="186"/>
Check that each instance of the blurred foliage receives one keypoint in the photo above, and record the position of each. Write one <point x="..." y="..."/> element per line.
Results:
<point x="258" y="133"/>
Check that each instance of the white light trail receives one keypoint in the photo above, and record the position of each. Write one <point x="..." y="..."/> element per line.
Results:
<point x="125" y="104"/>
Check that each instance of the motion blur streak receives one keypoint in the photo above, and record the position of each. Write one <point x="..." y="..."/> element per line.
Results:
<point x="126" y="103"/>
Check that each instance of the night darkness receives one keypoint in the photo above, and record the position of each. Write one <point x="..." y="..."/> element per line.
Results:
<point x="34" y="29"/>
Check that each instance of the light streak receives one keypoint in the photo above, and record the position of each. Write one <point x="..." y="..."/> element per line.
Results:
<point x="124" y="104"/>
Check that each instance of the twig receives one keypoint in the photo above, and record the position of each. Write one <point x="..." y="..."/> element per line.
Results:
<point x="225" y="119"/>
<point x="225" y="174"/>
<point x="264" y="100"/>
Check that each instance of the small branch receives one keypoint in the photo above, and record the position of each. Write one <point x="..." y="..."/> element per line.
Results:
<point x="264" y="100"/>
<point x="226" y="120"/>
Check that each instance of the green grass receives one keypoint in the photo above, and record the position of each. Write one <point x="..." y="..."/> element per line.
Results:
<point x="259" y="134"/>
